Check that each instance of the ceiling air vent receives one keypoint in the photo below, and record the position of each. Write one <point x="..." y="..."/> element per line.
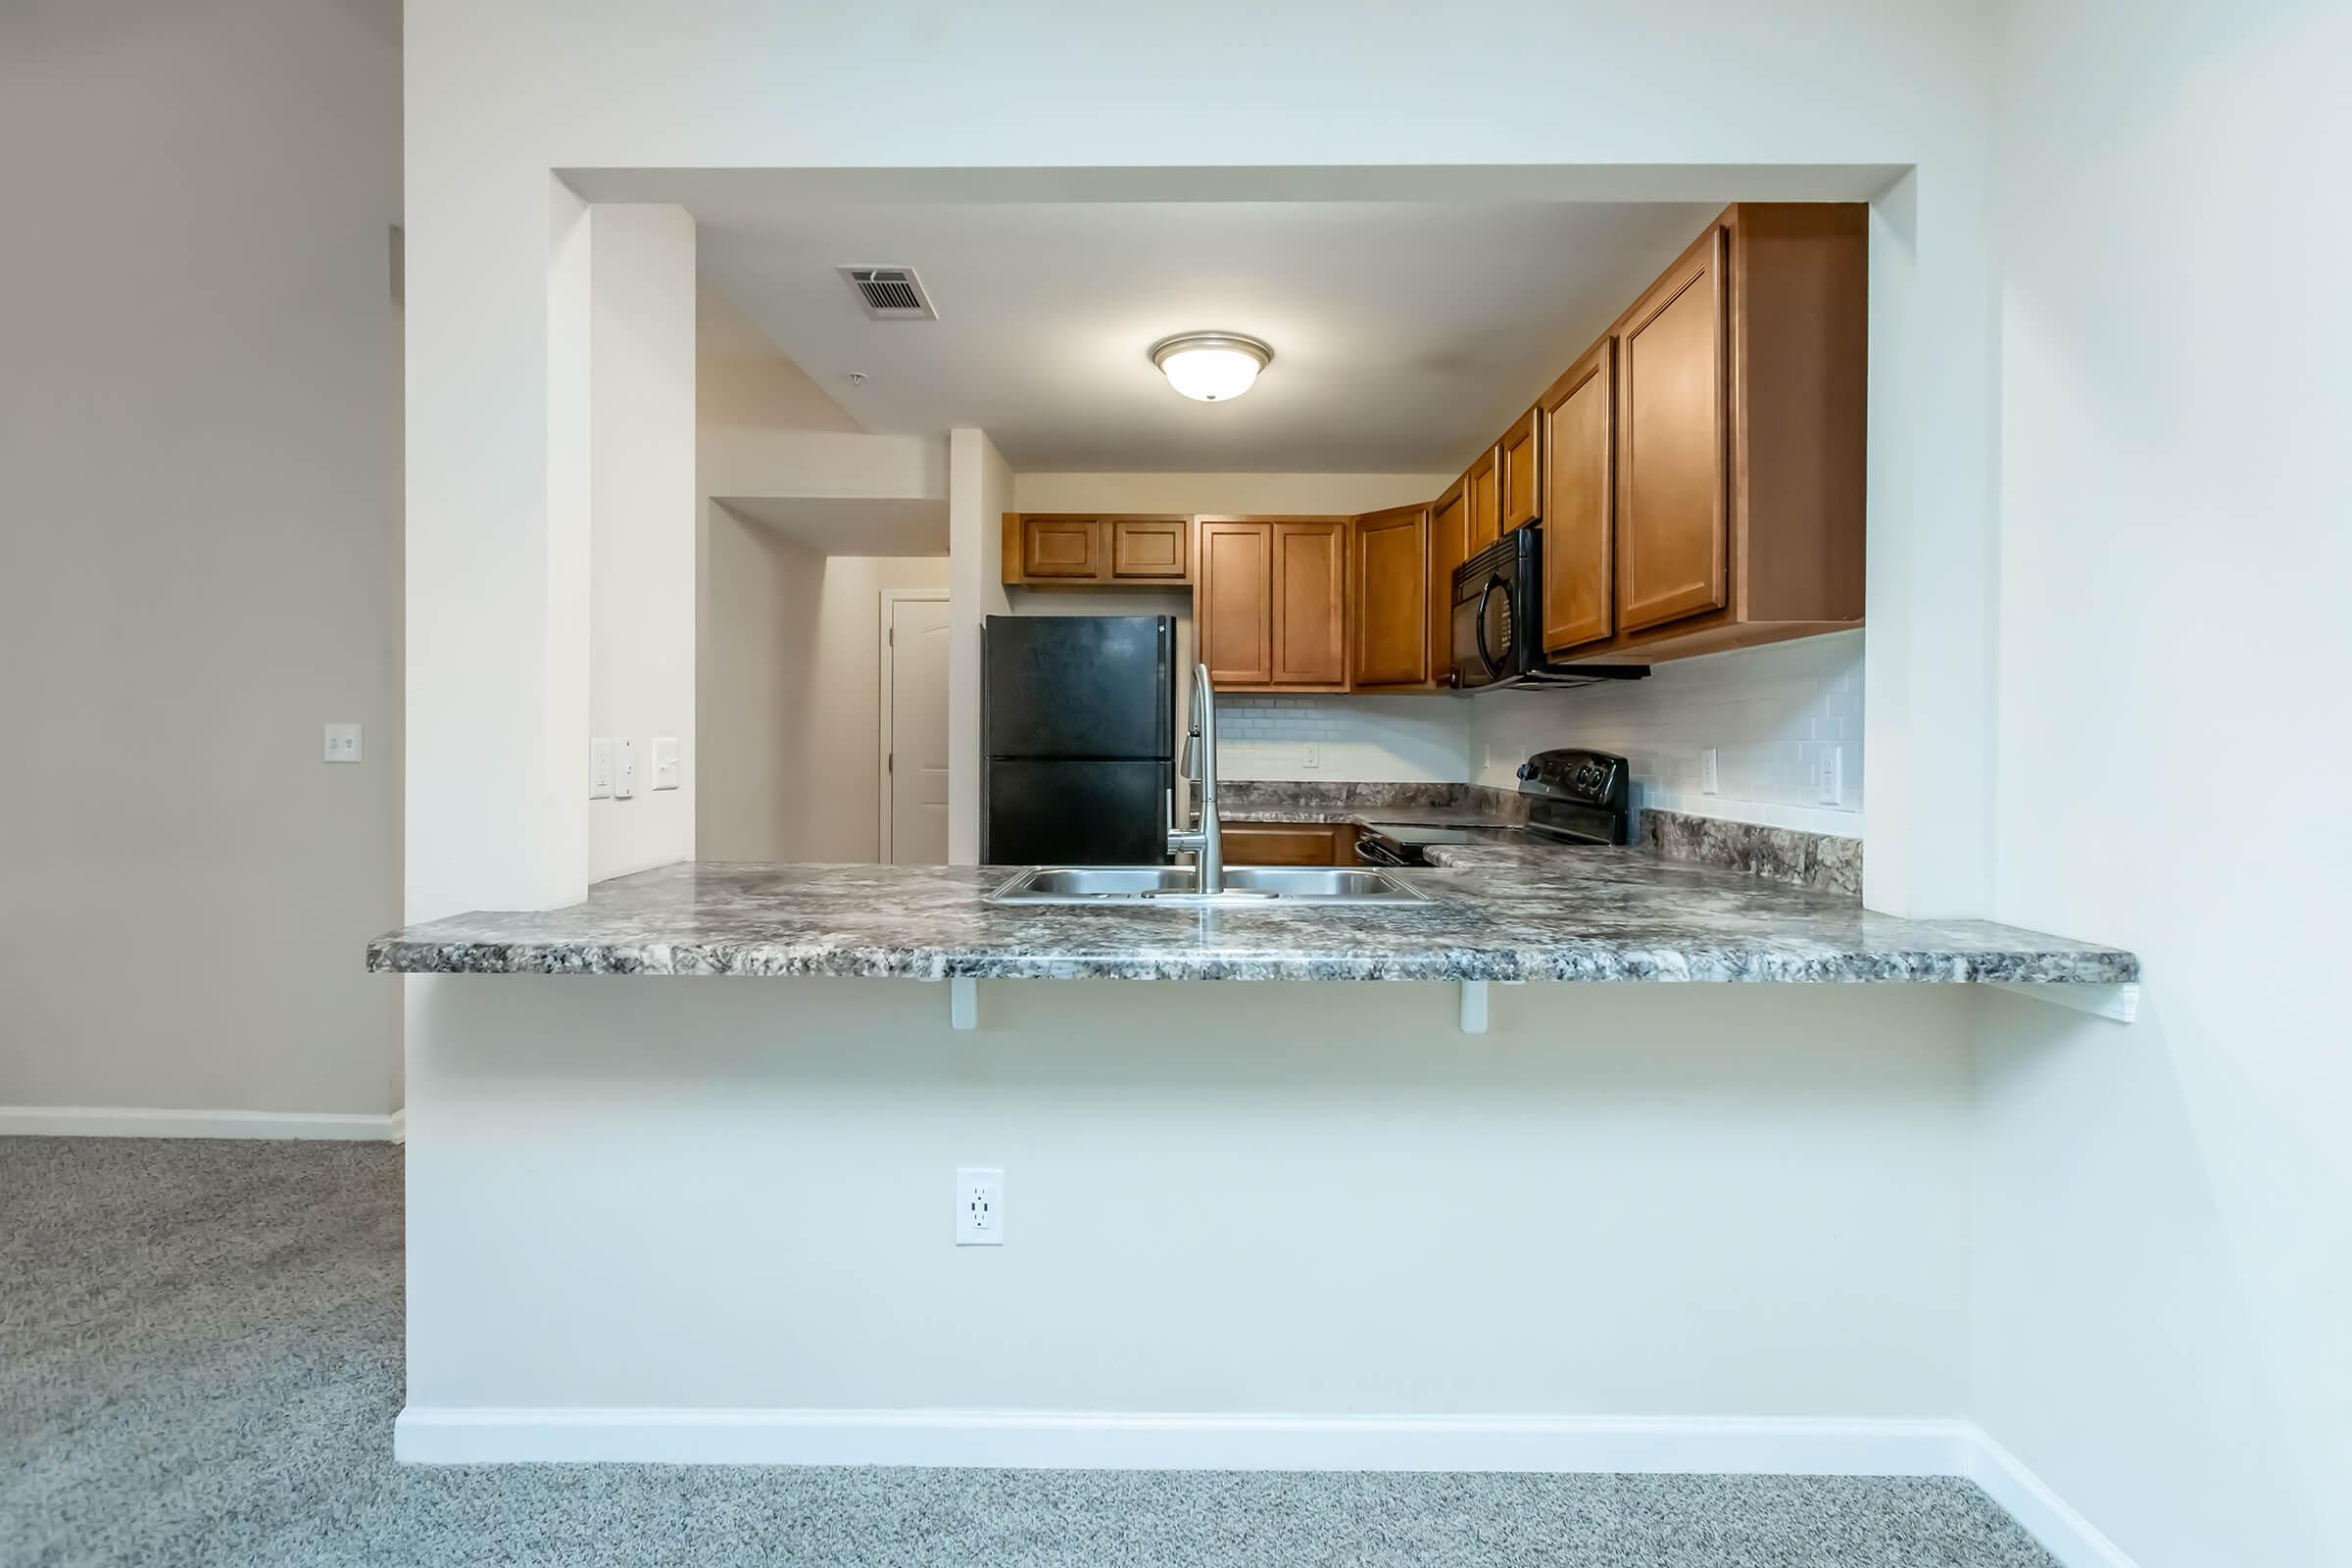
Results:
<point x="891" y="293"/>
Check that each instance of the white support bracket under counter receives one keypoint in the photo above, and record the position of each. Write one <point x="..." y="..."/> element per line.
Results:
<point x="1473" y="1004"/>
<point x="2118" y="1001"/>
<point x="963" y="1002"/>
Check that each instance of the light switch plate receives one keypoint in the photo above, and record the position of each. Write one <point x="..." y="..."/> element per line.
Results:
<point x="665" y="761"/>
<point x="342" y="743"/>
<point x="599" y="769"/>
<point x="624" y="769"/>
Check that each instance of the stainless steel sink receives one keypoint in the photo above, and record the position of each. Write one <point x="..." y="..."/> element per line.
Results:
<point x="1246" y="886"/>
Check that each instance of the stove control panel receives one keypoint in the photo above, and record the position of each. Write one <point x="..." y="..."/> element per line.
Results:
<point x="1593" y="778"/>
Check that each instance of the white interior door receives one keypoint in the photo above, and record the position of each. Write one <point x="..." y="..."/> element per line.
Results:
<point x="915" y="819"/>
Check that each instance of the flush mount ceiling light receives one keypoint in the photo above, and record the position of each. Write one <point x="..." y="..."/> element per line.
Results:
<point x="1212" y="366"/>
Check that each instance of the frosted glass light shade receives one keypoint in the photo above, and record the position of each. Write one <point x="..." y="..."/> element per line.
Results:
<point x="1212" y="366"/>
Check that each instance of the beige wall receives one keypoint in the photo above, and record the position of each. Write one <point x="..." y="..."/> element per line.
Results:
<point x="791" y="694"/>
<point x="200" y="429"/>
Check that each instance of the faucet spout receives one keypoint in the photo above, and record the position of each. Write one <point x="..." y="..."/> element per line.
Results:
<point x="1205" y="840"/>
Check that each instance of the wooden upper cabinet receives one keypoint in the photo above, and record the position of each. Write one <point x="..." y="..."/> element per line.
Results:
<point x="1521" y="483"/>
<point x="1233" y="603"/>
<point x="1388" y="593"/>
<point x="1449" y="548"/>
<point x="1579" y="417"/>
<point x="1148" y="549"/>
<point x="1310" y="603"/>
<point x="1070" y="549"/>
<point x="1056" y="550"/>
<point x="1674" y="445"/>
<point x="1481" y="487"/>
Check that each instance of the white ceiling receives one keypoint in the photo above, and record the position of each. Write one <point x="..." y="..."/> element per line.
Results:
<point x="1406" y="335"/>
<point x="854" y="526"/>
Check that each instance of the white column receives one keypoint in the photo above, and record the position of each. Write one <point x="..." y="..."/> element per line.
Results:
<point x="1928" y="661"/>
<point x="979" y="493"/>
<point x="641" y="534"/>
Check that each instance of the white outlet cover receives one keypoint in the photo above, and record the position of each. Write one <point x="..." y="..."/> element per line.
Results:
<point x="624" y="769"/>
<point x="665" y="761"/>
<point x="342" y="743"/>
<point x="980" y="1205"/>
<point x="1310" y="755"/>
<point x="1833" y="776"/>
<point x="599" y="769"/>
<point x="1710" y="776"/>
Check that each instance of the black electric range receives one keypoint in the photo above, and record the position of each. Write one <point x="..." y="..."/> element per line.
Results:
<point x="1573" y="796"/>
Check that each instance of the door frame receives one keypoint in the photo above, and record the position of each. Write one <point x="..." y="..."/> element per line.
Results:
<point x="891" y="598"/>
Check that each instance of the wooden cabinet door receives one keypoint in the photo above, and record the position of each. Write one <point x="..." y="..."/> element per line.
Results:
<point x="1148" y="549"/>
<point x="1233" y="603"/>
<point x="1672" y="448"/>
<point x="1519" y="453"/>
<point x="1388" y="599"/>
<point x="1310" y="603"/>
<point x="1449" y="548"/>
<point x="1289" y="844"/>
<point x="1482" y="486"/>
<point x="1061" y="549"/>
<point x="1579" y="505"/>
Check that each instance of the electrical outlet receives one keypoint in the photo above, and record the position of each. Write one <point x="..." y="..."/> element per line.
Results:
<point x="600" y="770"/>
<point x="1833" y="776"/>
<point x="1710" y="780"/>
<point x="624" y="769"/>
<point x="1310" y="755"/>
<point x="342" y="743"/>
<point x="980" y="1205"/>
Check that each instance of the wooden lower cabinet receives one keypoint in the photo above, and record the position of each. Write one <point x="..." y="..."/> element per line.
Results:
<point x="1289" y="843"/>
<point x="1387" y="600"/>
<point x="1270" y="602"/>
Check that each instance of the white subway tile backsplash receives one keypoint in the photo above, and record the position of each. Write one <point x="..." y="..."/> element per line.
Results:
<point x="1385" y="740"/>
<point x="1768" y="713"/>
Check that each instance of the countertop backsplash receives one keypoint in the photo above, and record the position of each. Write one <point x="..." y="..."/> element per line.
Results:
<point x="1771" y="714"/>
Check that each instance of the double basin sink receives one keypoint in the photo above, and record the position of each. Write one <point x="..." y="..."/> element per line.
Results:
<point x="1175" y="886"/>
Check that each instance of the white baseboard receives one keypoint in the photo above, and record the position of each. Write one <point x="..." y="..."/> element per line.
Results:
<point x="115" y="1121"/>
<point x="2063" y="1532"/>
<point x="1085" y="1440"/>
<point x="1102" y="1440"/>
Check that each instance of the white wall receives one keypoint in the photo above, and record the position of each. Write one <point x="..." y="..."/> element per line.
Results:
<point x="1721" y="1200"/>
<point x="2162" y="1247"/>
<point x="790" y="695"/>
<point x="1770" y="713"/>
<point x="200" y="494"/>
<point x="641" y="525"/>
<point x="979" y="494"/>
<point x="502" y="93"/>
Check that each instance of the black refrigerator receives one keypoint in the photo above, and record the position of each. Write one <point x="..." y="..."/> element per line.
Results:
<point x="1077" y="739"/>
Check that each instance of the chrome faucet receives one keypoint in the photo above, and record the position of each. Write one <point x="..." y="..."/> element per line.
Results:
<point x="1205" y="840"/>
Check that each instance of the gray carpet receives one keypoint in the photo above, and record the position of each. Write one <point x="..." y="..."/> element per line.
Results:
<point x="200" y="1363"/>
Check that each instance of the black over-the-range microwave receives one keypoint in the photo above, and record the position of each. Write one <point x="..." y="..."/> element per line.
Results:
<point x="1498" y="621"/>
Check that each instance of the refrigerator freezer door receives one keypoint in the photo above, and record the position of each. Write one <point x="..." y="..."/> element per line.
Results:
<point x="1073" y="813"/>
<point x="1079" y="686"/>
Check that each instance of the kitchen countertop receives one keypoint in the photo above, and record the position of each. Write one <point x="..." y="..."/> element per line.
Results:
<point x="1517" y="913"/>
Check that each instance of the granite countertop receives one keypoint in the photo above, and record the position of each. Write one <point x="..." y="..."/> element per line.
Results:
<point x="1510" y="911"/>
